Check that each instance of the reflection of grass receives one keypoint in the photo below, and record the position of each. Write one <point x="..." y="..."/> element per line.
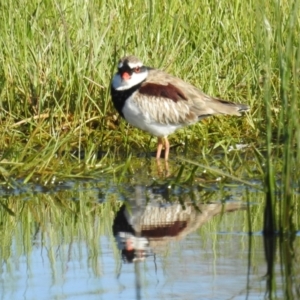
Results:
<point x="69" y="224"/>
<point x="79" y="217"/>
<point x="57" y="221"/>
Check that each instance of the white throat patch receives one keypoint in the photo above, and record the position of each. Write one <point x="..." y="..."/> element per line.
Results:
<point x="120" y="85"/>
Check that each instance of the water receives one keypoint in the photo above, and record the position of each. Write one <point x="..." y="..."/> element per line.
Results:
<point x="183" y="242"/>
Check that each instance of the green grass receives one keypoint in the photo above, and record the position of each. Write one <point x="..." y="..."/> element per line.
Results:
<point x="56" y="62"/>
<point x="57" y="59"/>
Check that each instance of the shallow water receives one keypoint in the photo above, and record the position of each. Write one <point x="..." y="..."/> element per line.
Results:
<point x="162" y="242"/>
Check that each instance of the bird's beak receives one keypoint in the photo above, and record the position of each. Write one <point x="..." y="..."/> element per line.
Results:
<point x="125" y="76"/>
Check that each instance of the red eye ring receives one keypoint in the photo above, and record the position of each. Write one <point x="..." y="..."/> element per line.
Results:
<point x="137" y="69"/>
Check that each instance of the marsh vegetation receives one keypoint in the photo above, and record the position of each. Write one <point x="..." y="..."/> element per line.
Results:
<point x="58" y="125"/>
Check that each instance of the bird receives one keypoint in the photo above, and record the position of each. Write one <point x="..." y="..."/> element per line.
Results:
<point x="159" y="103"/>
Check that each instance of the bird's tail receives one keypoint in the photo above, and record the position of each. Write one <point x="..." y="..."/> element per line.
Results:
<point x="243" y="107"/>
<point x="229" y="108"/>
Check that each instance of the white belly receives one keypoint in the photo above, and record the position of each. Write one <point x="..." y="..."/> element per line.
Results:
<point x="142" y="120"/>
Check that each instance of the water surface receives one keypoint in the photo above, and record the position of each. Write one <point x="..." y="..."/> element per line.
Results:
<point x="145" y="239"/>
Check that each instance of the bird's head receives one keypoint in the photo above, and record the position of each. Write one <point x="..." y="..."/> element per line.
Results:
<point x="131" y="72"/>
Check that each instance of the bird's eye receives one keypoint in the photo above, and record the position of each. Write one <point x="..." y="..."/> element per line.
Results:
<point x="137" y="69"/>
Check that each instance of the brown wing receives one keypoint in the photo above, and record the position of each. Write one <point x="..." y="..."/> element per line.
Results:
<point x="198" y="102"/>
<point x="157" y="90"/>
<point x="170" y="100"/>
<point x="165" y="104"/>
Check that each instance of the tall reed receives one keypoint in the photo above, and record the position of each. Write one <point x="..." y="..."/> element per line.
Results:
<point x="278" y="44"/>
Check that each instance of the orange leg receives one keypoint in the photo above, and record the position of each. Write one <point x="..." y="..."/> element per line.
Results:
<point x="160" y="143"/>
<point x="159" y="147"/>
<point x="167" y="148"/>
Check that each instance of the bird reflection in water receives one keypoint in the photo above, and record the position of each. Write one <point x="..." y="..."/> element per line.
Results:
<point x="145" y="225"/>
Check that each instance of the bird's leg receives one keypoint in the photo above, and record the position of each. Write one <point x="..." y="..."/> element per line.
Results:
<point x="160" y="143"/>
<point x="167" y="148"/>
<point x="159" y="147"/>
